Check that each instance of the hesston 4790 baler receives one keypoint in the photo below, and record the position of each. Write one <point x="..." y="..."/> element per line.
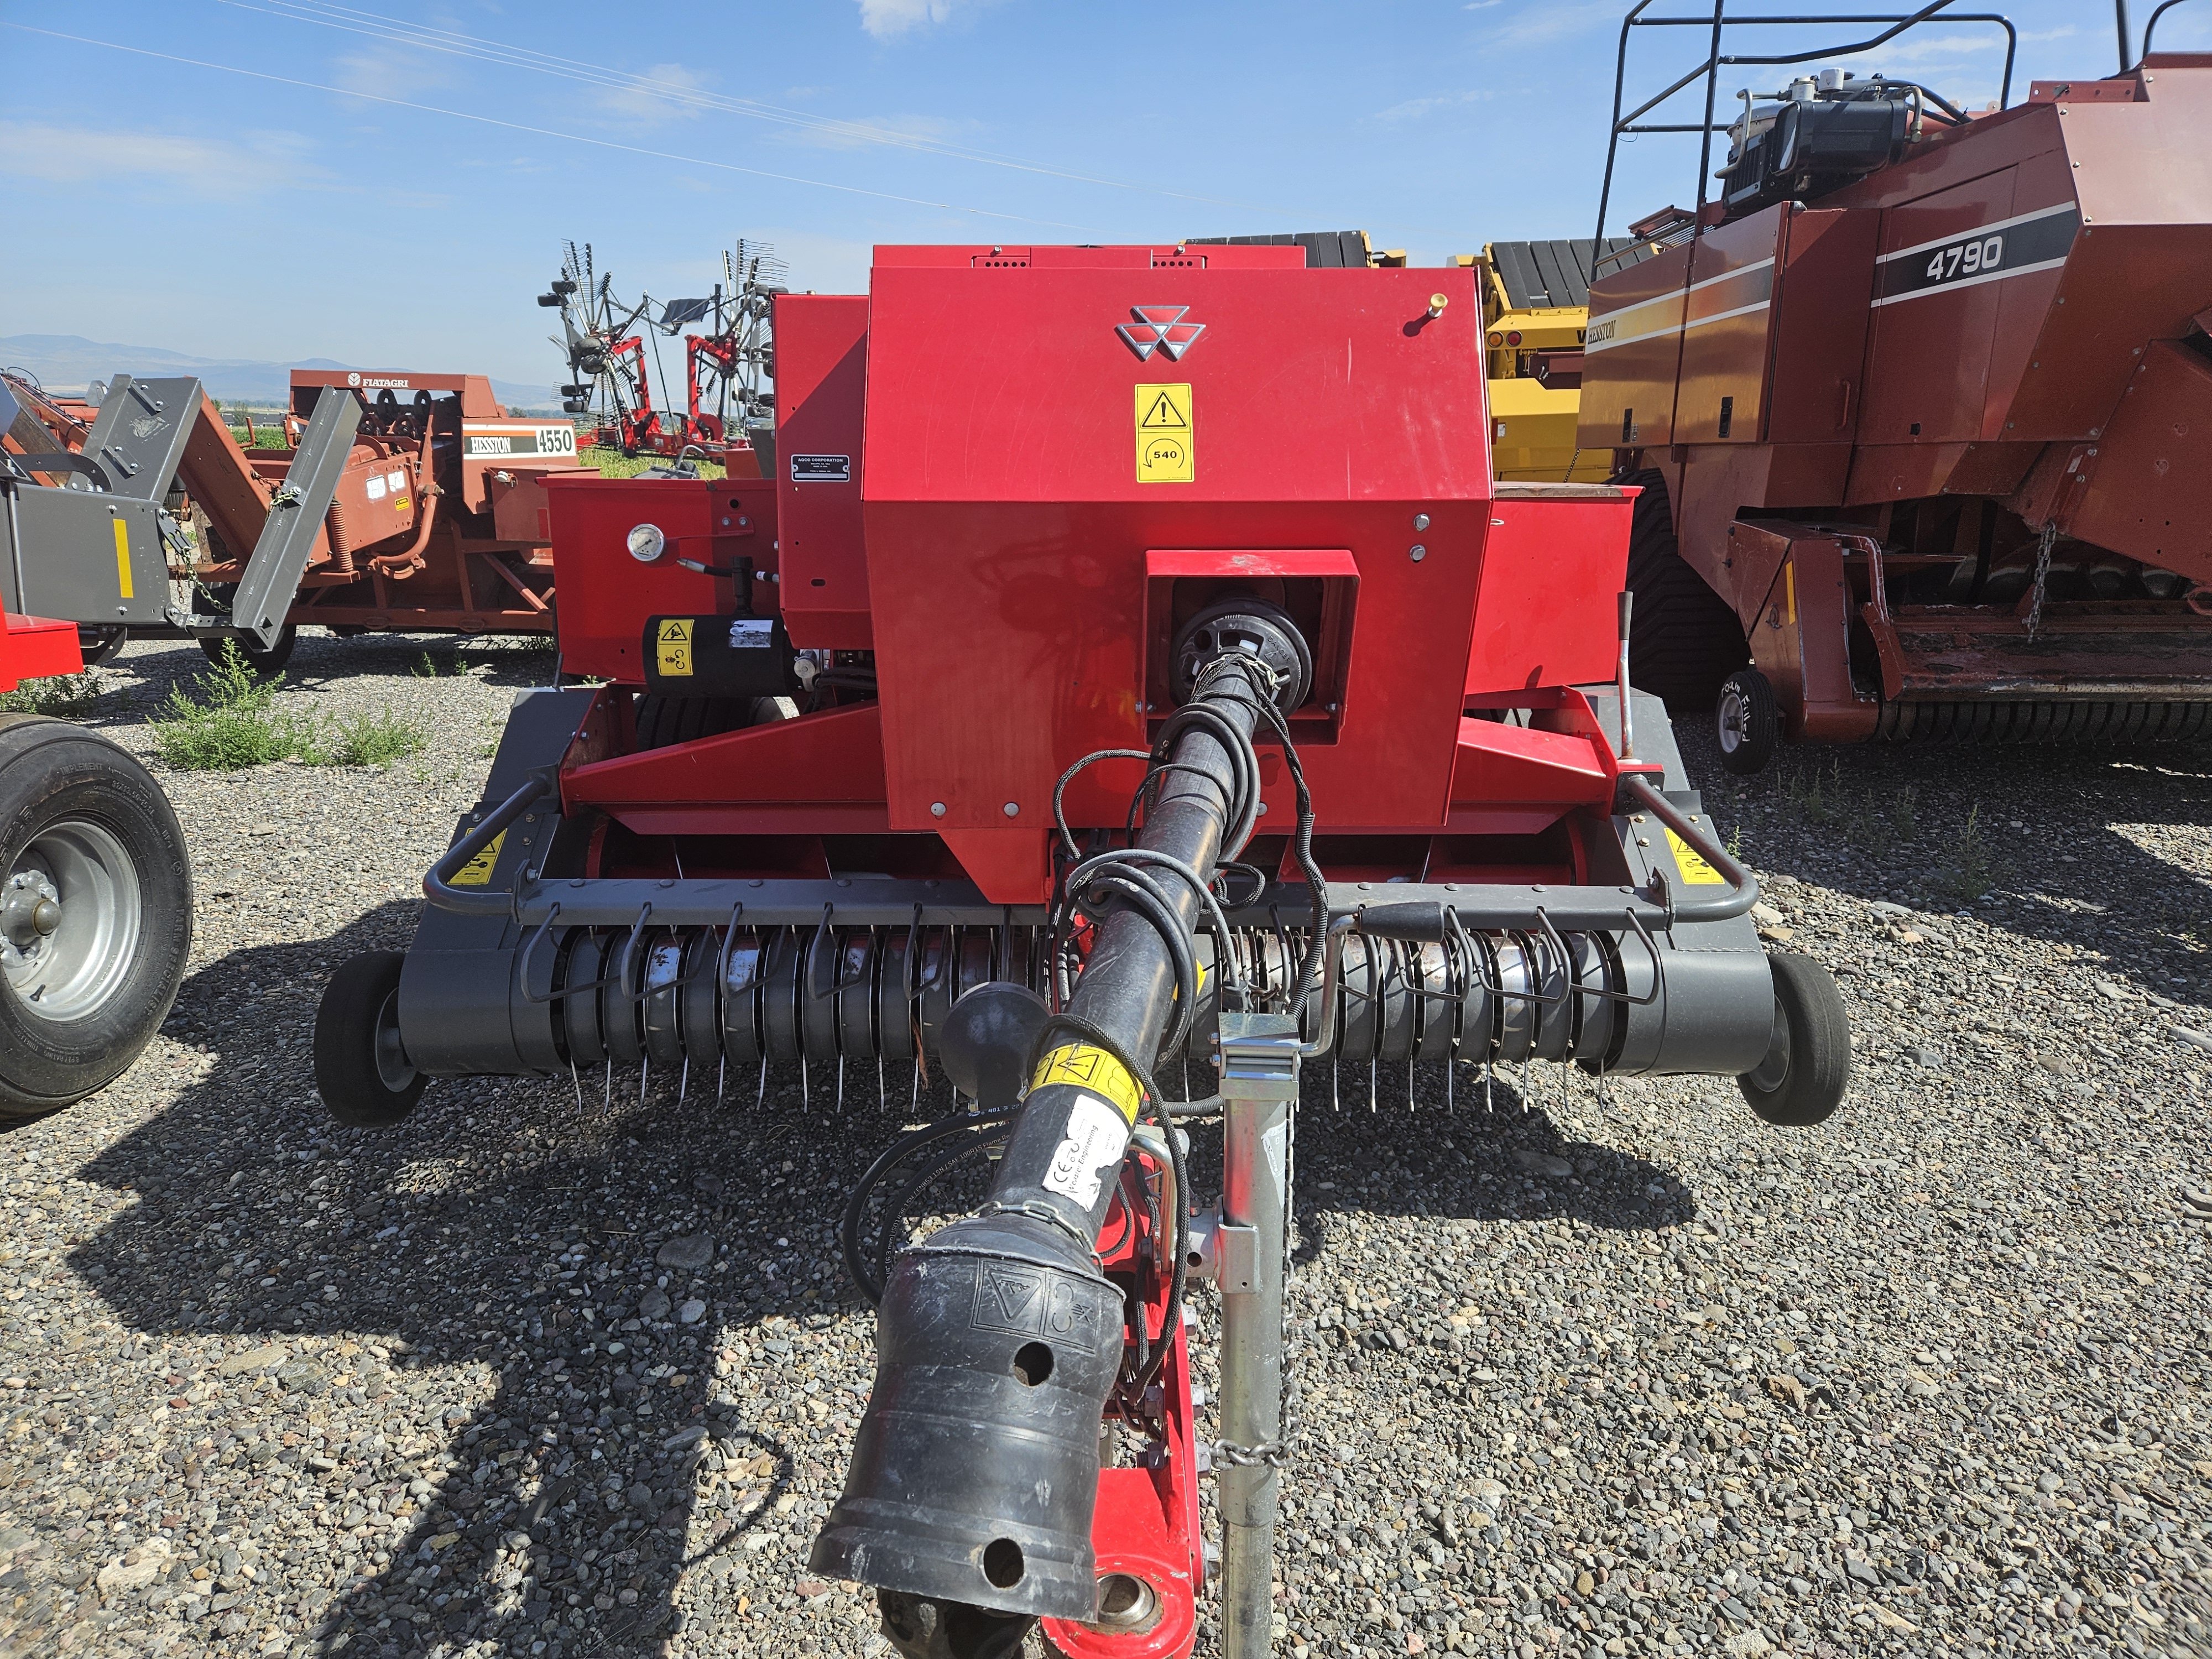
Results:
<point x="1928" y="393"/>
<point x="1132" y="659"/>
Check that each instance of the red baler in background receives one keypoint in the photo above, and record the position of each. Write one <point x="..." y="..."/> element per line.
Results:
<point x="1922" y="404"/>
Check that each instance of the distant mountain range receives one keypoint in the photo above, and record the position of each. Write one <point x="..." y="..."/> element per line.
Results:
<point x="66" y="362"/>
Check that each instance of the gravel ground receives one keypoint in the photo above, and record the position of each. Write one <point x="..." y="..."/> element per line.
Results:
<point x="1575" y="1375"/>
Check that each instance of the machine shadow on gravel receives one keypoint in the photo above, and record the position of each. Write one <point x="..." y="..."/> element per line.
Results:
<point x="244" y="1178"/>
<point x="2054" y="867"/>
<point x="1493" y="1156"/>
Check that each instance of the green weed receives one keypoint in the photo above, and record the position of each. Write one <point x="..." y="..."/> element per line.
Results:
<point x="371" y="739"/>
<point x="231" y="723"/>
<point x="230" y="720"/>
<point x="613" y="463"/>
<point x="1972" y="872"/>
<point x="1901" y="819"/>
<point x="65" y="695"/>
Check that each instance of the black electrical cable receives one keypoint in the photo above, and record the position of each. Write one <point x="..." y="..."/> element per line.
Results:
<point x="896" y="1209"/>
<point x="870" y="1284"/>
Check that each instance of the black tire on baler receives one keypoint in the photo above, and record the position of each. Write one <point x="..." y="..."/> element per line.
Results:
<point x="1808" y="1064"/>
<point x="267" y="662"/>
<point x="1684" y="640"/>
<point x="361" y="1071"/>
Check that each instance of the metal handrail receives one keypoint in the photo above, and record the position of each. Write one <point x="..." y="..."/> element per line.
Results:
<point x="1709" y="70"/>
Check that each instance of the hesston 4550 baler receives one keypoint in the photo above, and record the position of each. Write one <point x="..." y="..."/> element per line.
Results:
<point x="1928" y="394"/>
<point x="1132" y="658"/>
<point x="427" y="506"/>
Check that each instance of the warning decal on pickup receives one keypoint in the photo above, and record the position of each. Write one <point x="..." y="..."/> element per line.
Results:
<point x="1694" y="869"/>
<point x="476" y="872"/>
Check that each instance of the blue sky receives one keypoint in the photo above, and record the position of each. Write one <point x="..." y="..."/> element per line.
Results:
<point x="180" y="203"/>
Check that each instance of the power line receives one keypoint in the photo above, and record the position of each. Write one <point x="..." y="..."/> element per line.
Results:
<point x="329" y="15"/>
<point x="548" y="132"/>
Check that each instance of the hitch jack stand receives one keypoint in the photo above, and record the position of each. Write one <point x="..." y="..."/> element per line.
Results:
<point x="1259" y="1058"/>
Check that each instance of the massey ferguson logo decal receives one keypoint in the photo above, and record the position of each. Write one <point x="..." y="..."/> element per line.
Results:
<point x="1159" y="328"/>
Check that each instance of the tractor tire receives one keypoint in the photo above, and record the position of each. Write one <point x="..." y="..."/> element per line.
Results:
<point x="1747" y="722"/>
<point x="1685" y="639"/>
<point x="95" y="913"/>
<point x="101" y="646"/>
<point x="1808" y="1064"/>
<point x="361" y="1071"/>
<point x="664" y="721"/>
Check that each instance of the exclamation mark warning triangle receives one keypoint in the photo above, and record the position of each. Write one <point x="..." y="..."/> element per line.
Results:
<point x="1163" y="413"/>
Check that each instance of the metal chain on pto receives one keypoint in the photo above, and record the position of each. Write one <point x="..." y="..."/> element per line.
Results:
<point x="2042" y="576"/>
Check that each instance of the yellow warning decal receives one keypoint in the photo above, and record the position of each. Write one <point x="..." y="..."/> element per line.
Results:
<point x="476" y="872"/>
<point x="673" y="645"/>
<point x="1080" y="1065"/>
<point x="123" y="559"/>
<point x="1164" y="453"/>
<point x="1694" y="869"/>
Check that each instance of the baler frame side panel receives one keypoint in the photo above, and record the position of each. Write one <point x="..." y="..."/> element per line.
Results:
<point x="1821" y="321"/>
<point x="1906" y="399"/>
<point x="2146" y="485"/>
<point x="1729" y="311"/>
<point x="822" y="364"/>
<point x="1635" y="320"/>
<point x="1545" y="553"/>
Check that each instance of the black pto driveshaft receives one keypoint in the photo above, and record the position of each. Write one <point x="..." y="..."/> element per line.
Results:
<point x="975" y="1470"/>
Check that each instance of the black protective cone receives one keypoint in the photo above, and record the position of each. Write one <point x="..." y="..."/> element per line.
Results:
<point x="976" y="1470"/>
<point x="984" y="1044"/>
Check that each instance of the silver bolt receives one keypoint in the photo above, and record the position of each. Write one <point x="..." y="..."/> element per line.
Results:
<point x="1418" y="552"/>
<point x="1013" y="809"/>
<point x="1420" y="521"/>
<point x="937" y="809"/>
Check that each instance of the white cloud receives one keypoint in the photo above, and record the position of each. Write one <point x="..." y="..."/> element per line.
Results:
<point x="1414" y="108"/>
<point x="393" y="72"/>
<point x="659" y="94"/>
<point x="1539" y="25"/>
<point x="172" y="164"/>
<point x="886" y="18"/>
<point x="1913" y="49"/>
